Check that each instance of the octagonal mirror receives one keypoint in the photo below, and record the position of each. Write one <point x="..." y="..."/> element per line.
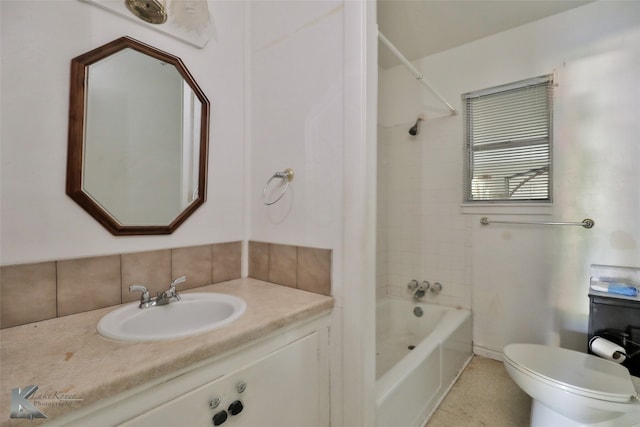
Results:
<point x="138" y="138"/>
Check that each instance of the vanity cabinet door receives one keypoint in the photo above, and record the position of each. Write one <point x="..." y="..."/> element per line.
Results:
<point x="288" y="387"/>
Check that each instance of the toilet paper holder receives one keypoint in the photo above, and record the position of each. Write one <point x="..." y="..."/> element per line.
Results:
<point x="608" y="350"/>
<point x="630" y="349"/>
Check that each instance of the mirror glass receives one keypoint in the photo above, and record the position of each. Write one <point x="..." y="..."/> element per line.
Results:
<point x="138" y="138"/>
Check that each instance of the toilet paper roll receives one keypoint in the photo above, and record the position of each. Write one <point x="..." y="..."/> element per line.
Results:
<point x="607" y="350"/>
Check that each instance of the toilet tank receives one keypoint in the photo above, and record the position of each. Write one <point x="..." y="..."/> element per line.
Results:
<point x="617" y="319"/>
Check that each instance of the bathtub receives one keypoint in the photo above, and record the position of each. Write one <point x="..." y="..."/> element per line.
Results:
<point x="418" y="359"/>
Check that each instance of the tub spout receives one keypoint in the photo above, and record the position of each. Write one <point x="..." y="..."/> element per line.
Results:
<point x="421" y="290"/>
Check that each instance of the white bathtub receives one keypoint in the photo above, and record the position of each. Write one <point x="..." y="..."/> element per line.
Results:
<point x="411" y="383"/>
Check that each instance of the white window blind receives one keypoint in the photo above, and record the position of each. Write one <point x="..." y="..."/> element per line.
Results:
<point x="508" y="136"/>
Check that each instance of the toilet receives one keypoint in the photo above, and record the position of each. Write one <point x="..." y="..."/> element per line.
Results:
<point x="571" y="389"/>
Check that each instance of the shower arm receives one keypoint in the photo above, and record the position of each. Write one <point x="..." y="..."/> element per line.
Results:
<point x="418" y="76"/>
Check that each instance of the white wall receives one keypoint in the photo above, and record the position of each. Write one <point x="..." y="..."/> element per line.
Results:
<point x="383" y="206"/>
<point x="307" y="69"/>
<point x="297" y="120"/>
<point x="38" y="220"/>
<point x="296" y="92"/>
<point x="530" y="284"/>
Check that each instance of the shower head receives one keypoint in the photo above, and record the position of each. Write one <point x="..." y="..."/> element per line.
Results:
<point x="415" y="129"/>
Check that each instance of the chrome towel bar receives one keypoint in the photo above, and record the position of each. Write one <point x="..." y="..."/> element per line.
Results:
<point x="586" y="223"/>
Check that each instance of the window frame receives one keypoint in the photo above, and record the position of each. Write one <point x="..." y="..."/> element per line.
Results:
<point x="547" y="83"/>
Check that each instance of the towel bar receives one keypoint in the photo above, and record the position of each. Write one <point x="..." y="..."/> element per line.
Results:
<point x="586" y="223"/>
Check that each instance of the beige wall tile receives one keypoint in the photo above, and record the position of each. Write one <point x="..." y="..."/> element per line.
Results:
<point x="283" y="260"/>
<point x="314" y="270"/>
<point x="27" y="293"/>
<point x="259" y="260"/>
<point x="227" y="261"/>
<point x="150" y="269"/>
<point x="88" y="284"/>
<point x="74" y="286"/>
<point x="193" y="262"/>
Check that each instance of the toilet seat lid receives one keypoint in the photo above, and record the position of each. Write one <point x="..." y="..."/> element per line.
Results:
<point x="575" y="372"/>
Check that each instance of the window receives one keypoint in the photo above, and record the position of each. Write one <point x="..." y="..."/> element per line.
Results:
<point x="508" y="136"/>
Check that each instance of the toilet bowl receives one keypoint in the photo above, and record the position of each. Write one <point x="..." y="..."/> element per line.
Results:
<point x="571" y="389"/>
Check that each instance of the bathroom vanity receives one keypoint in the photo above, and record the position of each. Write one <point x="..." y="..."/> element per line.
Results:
<point x="270" y="368"/>
<point x="283" y="387"/>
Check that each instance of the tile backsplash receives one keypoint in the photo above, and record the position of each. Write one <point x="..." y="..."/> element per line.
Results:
<point x="40" y="291"/>
<point x="298" y="267"/>
<point x="45" y="290"/>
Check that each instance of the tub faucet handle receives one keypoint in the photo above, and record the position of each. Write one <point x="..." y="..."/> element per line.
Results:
<point x="436" y="288"/>
<point x="424" y="285"/>
<point x="413" y="284"/>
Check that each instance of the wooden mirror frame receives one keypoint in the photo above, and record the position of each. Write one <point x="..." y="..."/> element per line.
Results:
<point x="78" y="93"/>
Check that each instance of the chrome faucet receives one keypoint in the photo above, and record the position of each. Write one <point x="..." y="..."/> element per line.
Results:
<point x="164" y="298"/>
<point x="420" y="288"/>
<point x="419" y="293"/>
<point x="170" y="294"/>
<point x="145" y="300"/>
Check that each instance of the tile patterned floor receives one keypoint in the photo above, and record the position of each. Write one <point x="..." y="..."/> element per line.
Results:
<point x="484" y="395"/>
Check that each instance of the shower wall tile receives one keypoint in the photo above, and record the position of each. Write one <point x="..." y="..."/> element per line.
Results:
<point x="88" y="284"/>
<point x="27" y="293"/>
<point x="425" y="236"/>
<point x="150" y="269"/>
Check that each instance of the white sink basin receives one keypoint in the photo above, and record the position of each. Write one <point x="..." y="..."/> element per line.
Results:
<point x="195" y="313"/>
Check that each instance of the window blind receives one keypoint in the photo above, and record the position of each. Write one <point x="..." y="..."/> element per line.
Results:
<point x="508" y="137"/>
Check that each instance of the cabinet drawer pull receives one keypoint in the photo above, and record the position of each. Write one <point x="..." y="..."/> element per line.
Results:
<point x="236" y="407"/>
<point x="219" y="418"/>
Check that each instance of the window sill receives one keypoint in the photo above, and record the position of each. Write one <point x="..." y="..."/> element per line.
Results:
<point x="506" y="209"/>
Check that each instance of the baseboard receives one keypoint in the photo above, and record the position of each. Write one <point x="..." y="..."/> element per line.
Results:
<point x="488" y="352"/>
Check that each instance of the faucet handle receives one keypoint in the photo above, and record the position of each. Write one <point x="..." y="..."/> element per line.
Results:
<point x="177" y="281"/>
<point x="436" y="288"/>
<point x="134" y="288"/>
<point x="144" y="297"/>
<point x="412" y="284"/>
<point x="171" y="292"/>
